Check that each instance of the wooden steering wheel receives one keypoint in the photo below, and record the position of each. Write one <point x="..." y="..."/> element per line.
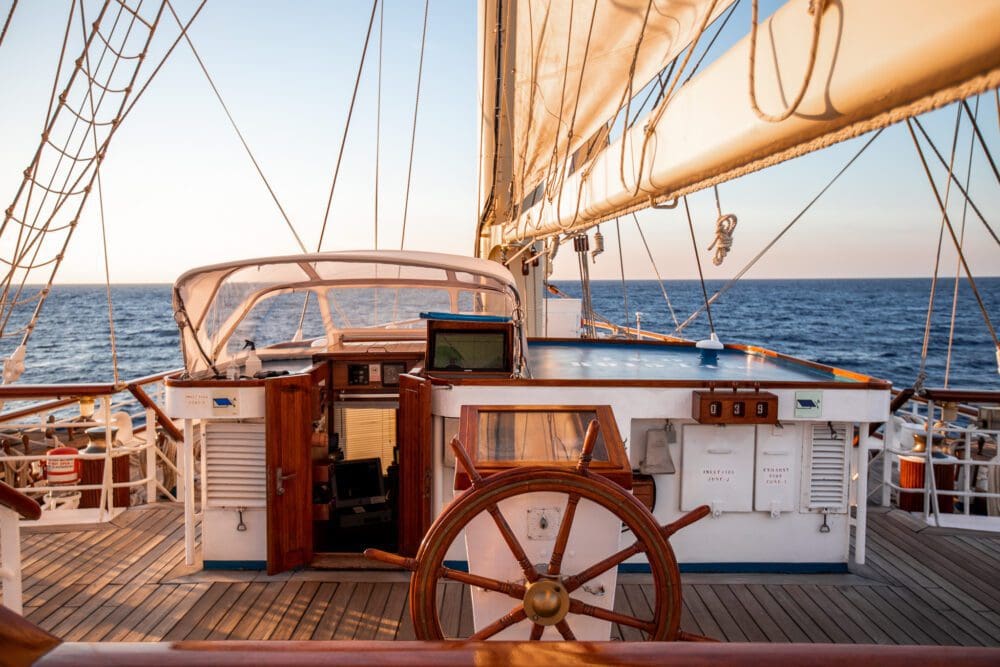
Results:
<point x="545" y="595"/>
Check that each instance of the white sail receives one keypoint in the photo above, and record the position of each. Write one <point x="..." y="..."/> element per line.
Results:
<point x="566" y="68"/>
<point x="876" y="63"/>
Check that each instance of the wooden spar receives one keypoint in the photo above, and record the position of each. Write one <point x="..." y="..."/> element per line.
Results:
<point x="147" y="402"/>
<point x="877" y="63"/>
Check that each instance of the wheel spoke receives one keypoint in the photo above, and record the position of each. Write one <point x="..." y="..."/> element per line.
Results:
<point x="515" y="615"/>
<point x="515" y="591"/>
<point x="693" y="637"/>
<point x="597" y="569"/>
<point x="512" y="543"/>
<point x="564" y="629"/>
<point x="587" y="451"/>
<point x="562" y="538"/>
<point x="579" y="607"/>
<point x="536" y="632"/>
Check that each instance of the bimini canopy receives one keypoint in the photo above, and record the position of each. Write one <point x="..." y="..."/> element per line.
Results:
<point x="312" y="300"/>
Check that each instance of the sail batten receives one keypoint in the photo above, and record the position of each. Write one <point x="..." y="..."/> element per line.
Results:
<point x="876" y="63"/>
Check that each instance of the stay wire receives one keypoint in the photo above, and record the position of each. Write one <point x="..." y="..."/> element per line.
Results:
<point x="958" y="265"/>
<point x="732" y="281"/>
<point x="697" y="259"/>
<point x="378" y="111"/>
<point x="413" y="131"/>
<point x="656" y="270"/>
<point x="621" y="268"/>
<point x="982" y="142"/>
<point x="954" y="238"/>
<point x="972" y="204"/>
<point x="232" y="122"/>
<point x="6" y="23"/>
<point x="347" y="126"/>
<point x="925" y="345"/>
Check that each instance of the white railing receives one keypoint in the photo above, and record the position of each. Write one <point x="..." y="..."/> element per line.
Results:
<point x="941" y="431"/>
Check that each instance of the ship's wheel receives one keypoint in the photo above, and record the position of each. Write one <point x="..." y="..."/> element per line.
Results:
<point x="545" y="594"/>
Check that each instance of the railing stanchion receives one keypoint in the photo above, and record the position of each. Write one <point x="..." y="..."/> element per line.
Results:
<point x="186" y="478"/>
<point x="151" y="455"/>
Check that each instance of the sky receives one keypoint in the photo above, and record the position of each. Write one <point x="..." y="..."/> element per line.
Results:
<point x="180" y="192"/>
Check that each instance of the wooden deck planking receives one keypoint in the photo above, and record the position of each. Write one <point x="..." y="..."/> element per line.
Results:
<point x="126" y="582"/>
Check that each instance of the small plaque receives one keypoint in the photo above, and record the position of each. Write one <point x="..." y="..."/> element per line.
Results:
<point x="809" y="404"/>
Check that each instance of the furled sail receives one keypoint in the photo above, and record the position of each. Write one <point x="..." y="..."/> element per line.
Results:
<point x="566" y="68"/>
<point x="870" y="64"/>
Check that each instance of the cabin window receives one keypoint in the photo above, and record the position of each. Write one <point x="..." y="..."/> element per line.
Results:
<point x="523" y="435"/>
<point x="499" y="437"/>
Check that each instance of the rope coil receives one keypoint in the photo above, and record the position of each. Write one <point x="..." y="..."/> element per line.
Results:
<point x="723" y="243"/>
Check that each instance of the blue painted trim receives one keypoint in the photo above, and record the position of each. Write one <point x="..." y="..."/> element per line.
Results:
<point x="460" y="565"/>
<point x="235" y="565"/>
<point x="463" y="317"/>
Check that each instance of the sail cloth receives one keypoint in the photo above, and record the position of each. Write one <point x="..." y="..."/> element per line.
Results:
<point x="876" y="63"/>
<point x="574" y="64"/>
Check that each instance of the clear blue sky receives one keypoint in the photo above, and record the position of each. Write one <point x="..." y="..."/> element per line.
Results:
<point x="180" y="192"/>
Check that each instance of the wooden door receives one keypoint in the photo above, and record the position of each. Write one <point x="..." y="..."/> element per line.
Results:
<point x="289" y="471"/>
<point x="416" y="473"/>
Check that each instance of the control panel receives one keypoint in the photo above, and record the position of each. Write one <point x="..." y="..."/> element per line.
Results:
<point x="372" y="373"/>
<point x="734" y="407"/>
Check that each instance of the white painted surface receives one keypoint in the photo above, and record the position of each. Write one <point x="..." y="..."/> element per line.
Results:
<point x="595" y="535"/>
<point x="717" y="468"/>
<point x="214" y="402"/>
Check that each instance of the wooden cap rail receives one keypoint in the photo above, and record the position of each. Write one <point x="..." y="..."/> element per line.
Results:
<point x="18" y="502"/>
<point x="444" y="653"/>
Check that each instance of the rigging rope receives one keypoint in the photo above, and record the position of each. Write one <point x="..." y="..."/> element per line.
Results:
<point x="816" y="8"/>
<point x="413" y="131"/>
<point x="739" y="274"/>
<point x="982" y="142"/>
<point x="347" y="127"/>
<point x="918" y="383"/>
<point x="621" y="268"/>
<point x="6" y="23"/>
<point x="958" y="265"/>
<point x="697" y="259"/>
<point x="965" y="194"/>
<point x="951" y="231"/>
<point x="725" y="225"/>
<point x="112" y="340"/>
<point x="378" y="114"/>
<point x="659" y="280"/>
<point x="232" y="123"/>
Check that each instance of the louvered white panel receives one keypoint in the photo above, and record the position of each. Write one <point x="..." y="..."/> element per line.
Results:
<point x="827" y="467"/>
<point x="235" y="465"/>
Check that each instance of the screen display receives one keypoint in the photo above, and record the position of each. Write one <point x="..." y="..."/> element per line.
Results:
<point x="469" y="351"/>
<point x="358" y="482"/>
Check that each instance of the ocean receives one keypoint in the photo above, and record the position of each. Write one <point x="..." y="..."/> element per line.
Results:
<point x="870" y="326"/>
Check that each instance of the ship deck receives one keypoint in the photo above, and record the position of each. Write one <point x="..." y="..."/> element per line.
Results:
<point x="126" y="581"/>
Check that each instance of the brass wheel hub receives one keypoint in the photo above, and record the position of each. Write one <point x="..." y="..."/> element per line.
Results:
<point x="546" y="601"/>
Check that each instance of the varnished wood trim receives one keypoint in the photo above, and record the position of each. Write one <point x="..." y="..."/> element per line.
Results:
<point x="161" y="417"/>
<point x="464" y="380"/>
<point x="962" y="395"/>
<point x="18" y="502"/>
<point x="35" y="409"/>
<point x="653" y="654"/>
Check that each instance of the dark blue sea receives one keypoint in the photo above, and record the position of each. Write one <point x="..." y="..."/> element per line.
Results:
<point x="871" y="326"/>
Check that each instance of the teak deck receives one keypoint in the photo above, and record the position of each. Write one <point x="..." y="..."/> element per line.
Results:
<point x="126" y="581"/>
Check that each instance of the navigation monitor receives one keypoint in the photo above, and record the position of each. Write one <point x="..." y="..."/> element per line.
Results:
<point x="469" y="347"/>
<point x="358" y="482"/>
